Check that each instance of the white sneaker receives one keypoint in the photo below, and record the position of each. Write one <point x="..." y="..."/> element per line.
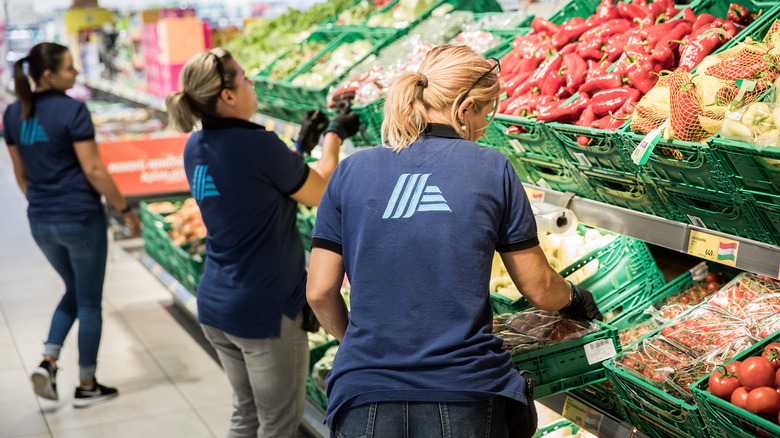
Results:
<point x="44" y="380"/>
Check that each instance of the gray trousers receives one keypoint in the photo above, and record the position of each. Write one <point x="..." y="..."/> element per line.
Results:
<point x="268" y="377"/>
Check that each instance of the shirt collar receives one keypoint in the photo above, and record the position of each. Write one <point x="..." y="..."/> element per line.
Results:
<point x="441" y="130"/>
<point x="49" y="93"/>
<point x="229" y="122"/>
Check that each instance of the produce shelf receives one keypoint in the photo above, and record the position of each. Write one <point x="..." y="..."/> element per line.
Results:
<point x="753" y="256"/>
<point x="599" y="423"/>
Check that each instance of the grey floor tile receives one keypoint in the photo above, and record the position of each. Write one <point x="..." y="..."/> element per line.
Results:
<point x="184" y="361"/>
<point x="9" y="357"/>
<point x="16" y="386"/>
<point x="205" y="389"/>
<point x="182" y="424"/>
<point x="217" y="418"/>
<point x="21" y="417"/>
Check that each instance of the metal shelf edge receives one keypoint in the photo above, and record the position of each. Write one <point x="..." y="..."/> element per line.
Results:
<point x="608" y="427"/>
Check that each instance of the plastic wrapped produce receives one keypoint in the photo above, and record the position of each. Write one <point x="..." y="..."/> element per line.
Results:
<point x="533" y="329"/>
<point x="703" y="329"/>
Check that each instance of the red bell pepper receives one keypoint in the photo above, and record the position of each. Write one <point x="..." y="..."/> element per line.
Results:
<point x="688" y="15"/>
<point x="644" y="77"/>
<point x="630" y="11"/>
<point x="587" y="117"/>
<point x="606" y="82"/>
<point x="608" y="101"/>
<point x="658" y="32"/>
<point x="591" y="49"/>
<point x="702" y="20"/>
<point x="658" y="8"/>
<point x="697" y="48"/>
<point x="662" y="57"/>
<point x="672" y="40"/>
<point x="617" y="119"/>
<point x="540" y="25"/>
<point x="565" y="114"/>
<point x="606" y="11"/>
<point x="575" y="72"/>
<point x="615" y="47"/>
<point x="571" y="31"/>
<point x="738" y="14"/>
<point x="526" y="64"/>
<point x="554" y="82"/>
<point x="569" y="48"/>
<point x="600" y="123"/>
<point x="548" y="67"/>
<point x="685" y="109"/>
<point x="511" y="85"/>
<point x="595" y="69"/>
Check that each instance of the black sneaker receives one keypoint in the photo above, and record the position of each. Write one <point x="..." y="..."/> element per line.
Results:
<point x="44" y="380"/>
<point x="97" y="394"/>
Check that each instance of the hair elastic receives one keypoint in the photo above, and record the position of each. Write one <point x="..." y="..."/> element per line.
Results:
<point x="423" y="80"/>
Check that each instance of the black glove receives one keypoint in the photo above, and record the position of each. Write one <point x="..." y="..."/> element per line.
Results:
<point x="345" y="125"/>
<point x="312" y="127"/>
<point x="582" y="306"/>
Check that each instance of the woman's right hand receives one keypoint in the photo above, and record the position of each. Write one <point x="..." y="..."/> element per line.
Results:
<point x="133" y="223"/>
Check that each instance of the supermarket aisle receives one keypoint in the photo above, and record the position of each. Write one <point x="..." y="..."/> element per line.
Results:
<point x="169" y="386"/>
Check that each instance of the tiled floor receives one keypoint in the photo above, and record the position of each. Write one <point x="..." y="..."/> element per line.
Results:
<point x="169" y="385"/>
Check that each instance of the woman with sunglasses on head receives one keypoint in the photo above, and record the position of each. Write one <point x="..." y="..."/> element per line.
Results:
<point x="247" y="184"/>
<point x="51" y="141"/>
<point x="414" y="224"/>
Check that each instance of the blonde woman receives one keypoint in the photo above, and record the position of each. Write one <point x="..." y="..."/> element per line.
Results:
<point x="247" y="184"/>
<point x="414" y="224"/>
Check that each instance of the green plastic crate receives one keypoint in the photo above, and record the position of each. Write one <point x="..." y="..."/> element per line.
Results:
<point x="604" y="150"/>
<point x="768" y="210"/>
<point x="627" y="273"/>
<point x="624" y="190"/>
<point x="723" y="419"/>
<point x="654" y="412"/>
<point x="313" y="392"/>
<point x="575" y="8"/>
<point x="555" y="427"/>
<point x="603" y="396"/>
<point x="756" y="30"/>
<point x="719" y="211"/>
<point x="532" y="142"/>
<point x="755" y="172"/>
<point x="548" y="174"/>
<point x="305" y="227"/>
<point x="565" y="366"/>
<point x="185" y="268"/>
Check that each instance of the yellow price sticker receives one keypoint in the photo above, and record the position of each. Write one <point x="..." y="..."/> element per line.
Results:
<point x="713" y="248"/>
<point x="288" y="131"/>
<point x="534" y="194"/>
<point x="581" y="415"/>
<point x="270" y="125"/>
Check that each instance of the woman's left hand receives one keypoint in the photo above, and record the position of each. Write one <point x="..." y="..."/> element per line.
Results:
<point x="133" y="223"/>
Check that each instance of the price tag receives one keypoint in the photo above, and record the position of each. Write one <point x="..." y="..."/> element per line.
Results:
<point x="517" y="146"/>
<point x="288" y="131"/>
<point x="599" y="351"/>
<point x="543" y="183"/>
<point x="642" y="152"/>
<point x="696" y="220"/>
<point x="534" y="194"/>
<point x="270" y="125"/>
<point x="713" y="248"/>
<point x="699" y="272"/>
<point x="581" y="415"/>
<point x="744" y="85"/>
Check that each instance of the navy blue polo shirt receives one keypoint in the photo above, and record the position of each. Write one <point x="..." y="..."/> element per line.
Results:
<point x="241" y="177"/>
<point x="57" y="188"/>
<point x="418" y="230"/>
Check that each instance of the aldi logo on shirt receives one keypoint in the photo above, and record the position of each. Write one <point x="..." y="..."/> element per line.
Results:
<point x="203" y="184"/>
<point x="411" y="195"/>
<point x="32" y="132"/>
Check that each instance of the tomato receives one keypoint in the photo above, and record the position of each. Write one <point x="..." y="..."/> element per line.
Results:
<point x="739" y="397"/>
<point x="723" y="384"/>
<point x="756" y="372"/>
<point x="712" y="277"/>
<point x="772" y="354"/>
<point x="666" y="331"/>
<point x="733" y="366"/>
<point x="629" y="363"/>
<point x="764" y="400"/>
<point x="777" y="379"/>
<point x="713" y="286"/>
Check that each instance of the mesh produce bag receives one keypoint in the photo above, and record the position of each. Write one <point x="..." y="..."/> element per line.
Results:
<point x="698" y="103"/>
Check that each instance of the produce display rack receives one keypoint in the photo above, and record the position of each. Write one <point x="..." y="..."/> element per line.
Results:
<point x="597" y="422"/>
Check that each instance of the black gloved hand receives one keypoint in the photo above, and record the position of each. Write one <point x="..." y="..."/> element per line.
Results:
<point x="312" y="127"/>
<point x="582" y="306"/>
<point x="345" y="125"/>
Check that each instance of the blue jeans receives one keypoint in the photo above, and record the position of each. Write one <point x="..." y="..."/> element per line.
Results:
<point x="77" y="251"/>
<point x="484" y="419"/>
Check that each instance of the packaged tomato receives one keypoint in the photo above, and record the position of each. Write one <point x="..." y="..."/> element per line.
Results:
<point x="533" y="329"/>
<point x="653" y="360"/>
<point x="748" y="294"/>
<point x="703" y="330"/>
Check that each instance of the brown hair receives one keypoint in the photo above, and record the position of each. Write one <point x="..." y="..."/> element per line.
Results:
<point x="42" y="57"/>
<point x="440" y="87"/>
<point x="201" y="85"/>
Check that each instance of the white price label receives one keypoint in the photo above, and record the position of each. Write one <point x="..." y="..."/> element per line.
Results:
<point x="517" y="146"/>
<point x="699" y="272"/>
<point x="599" y="351"/>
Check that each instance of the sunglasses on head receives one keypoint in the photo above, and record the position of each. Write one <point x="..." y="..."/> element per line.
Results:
<point x="494" y="66"/>
<point x="220" y="70"/>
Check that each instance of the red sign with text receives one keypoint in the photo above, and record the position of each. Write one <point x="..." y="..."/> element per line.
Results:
<point x="146" y="166"/>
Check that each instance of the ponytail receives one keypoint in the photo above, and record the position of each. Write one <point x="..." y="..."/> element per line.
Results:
<point x="445" y="78"/>
<point x="179" y="112"/>
<point x="202" y="83"/>
<point x="22" y="88"/>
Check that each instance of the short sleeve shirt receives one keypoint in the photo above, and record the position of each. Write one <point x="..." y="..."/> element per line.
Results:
<point x="57" y="188"/>
<point x="418" y="230"/>
<point x="241" y="177"/>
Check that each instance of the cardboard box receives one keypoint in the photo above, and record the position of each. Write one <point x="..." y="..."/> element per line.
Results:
<point x="179" y="39"/>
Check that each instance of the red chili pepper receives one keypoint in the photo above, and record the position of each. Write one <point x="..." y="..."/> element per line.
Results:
<point x="672" y="12"/>
<point x="630" y="11"/>
<point x="566" y="114"/>
<point x="526" y="64"/>
<point x="658" y="32"/>
<point x="545" y="69"/>
<point x="617" y="119"/>
<point x="615" y="47"/>
<point x="730" y="28"/>
<point x="696" y="49"/>
<point x="608" y="101"/>
<point x="511" y="85"/>
<point x="672" y="40"/>
<point x="540" y="25"/>
<point x="587" y="117"/>
<point x="595" y="69"/>
<point x="600" y="123"/>
<point x="575" y="72"/>
<point x="571" y="31"/>
<point x="685" y="108"/>
<point x="688" y="15"/>
<point x="728" y="71"/>
<point x="738" y="14"/>
<point x="569" y="48"/>
<point x="606" y="82"/>
<point x="702" y="20"/>
<point x="657" y="8"/>
<point x="591" y="49"/>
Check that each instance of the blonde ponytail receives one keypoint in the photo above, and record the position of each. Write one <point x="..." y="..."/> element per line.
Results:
<point x="201" y="86"/>
<point x="438" y="89"/>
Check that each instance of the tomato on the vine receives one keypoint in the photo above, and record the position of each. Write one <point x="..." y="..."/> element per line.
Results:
<point x="739" y="397"/>
<point x="756" y="372"/>
<point x="723" y="383"/>
<point x="772" y="354"/>
<point x="733" y="366"/>
<point x="764" y="400"/>
<point x="712" y="277"/>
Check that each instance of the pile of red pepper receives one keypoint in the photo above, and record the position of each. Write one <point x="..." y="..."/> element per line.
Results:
<point x="610" y="59"/>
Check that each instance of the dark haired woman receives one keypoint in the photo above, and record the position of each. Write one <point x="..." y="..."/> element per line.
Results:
<point x="51" y="141"/>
